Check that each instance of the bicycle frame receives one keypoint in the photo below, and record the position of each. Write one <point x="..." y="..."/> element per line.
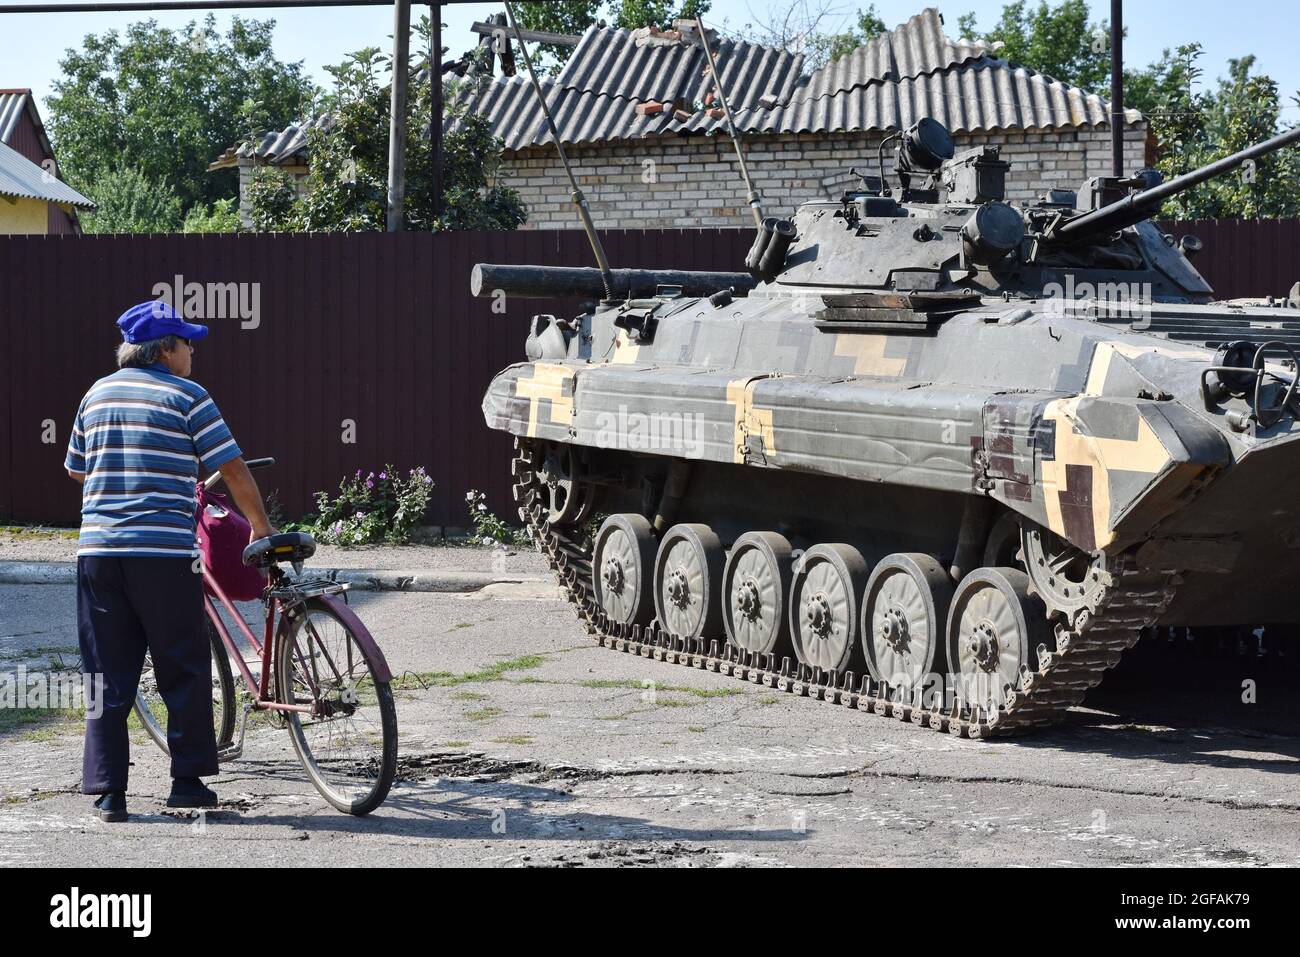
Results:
<point x="276" y="612"/>
<point x="262" y="696"/>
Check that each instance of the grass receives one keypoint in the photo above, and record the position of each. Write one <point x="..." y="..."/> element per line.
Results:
<point x="513" y="739"/>
<point x="499" y="670"/>
<point x="539" y="714"/>
<point x="456" y="744"/>
<point x="40" y="724"/>
<point x="25" y="798"/>
<point x="767" y="699"/>
<point x="420" y="680"/>
<point x="38" y="532"/>
<point x="484" y="714"/>
<point x="696" y="728"/>
<point x="632" y="685"/>
<point x="48" y="651"/>
<point x="469" y="696"/>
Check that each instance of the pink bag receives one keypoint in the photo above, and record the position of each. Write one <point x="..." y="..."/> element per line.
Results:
<point x="223" y="535"/>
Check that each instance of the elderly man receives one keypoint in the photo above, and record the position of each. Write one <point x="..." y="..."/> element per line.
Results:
<point x="141" y="436"/>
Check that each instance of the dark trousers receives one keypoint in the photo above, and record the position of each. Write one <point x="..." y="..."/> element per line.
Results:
<point x="125" y="606"/>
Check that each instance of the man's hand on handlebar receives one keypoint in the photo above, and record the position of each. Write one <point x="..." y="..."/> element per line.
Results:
<point x="244" y="490"/>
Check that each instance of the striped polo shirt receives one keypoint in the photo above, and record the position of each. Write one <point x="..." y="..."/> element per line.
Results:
<point x="140" y="437"/>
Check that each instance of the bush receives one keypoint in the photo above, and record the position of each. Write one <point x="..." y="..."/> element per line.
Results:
<point x="130" y="202"/>
<point x="383" y="507"/>
<point x="488" y="529"/>
<point x="221" y="217"/>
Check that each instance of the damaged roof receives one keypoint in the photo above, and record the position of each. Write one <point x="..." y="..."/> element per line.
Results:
<point x="912" y="71"/>
<point x="278" y="148"/>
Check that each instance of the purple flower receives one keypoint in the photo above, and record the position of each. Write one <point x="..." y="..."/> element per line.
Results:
<point x="383" y="476"/>
<point x="370" y="483"/>
<point x="358" y="473"/>
<point x="360" y="515"/>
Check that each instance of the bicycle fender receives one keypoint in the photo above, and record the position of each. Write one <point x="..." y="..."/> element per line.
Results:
<point x="359" y="631"/>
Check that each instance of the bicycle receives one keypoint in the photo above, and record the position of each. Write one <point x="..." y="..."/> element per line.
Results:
<point x="321" y="674"/>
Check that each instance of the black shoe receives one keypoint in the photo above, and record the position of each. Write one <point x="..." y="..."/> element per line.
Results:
<point x="191" y="792"/>
<point x="111" y="807"/>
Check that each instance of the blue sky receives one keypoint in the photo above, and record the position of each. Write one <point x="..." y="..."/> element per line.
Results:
<point x="33" y="44"/>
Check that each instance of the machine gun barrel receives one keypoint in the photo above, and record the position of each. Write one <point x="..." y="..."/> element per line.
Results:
<point x="1139" y="206"/>
<point x="560" y="282"/>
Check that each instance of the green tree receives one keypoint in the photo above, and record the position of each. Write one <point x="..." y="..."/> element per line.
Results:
<point x="1193" y="128"/>
<point x="166" y="102"/>
<point x="1060" y="42"/>
<point x="575" y="17"/>
<point x="632" y="14"/>
<point x="131" y="202"/>
<point x="221" y="217"/>
<point x="347" y="182"/>
<point x="555" y="16"/>
<point x="825" y="48"/>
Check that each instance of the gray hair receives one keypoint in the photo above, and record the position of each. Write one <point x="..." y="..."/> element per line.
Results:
<point x="135" y="355"/>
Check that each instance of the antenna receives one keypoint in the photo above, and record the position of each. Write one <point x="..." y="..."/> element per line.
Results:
<point x="579" y="199"/>
<point x="755" y="202"/>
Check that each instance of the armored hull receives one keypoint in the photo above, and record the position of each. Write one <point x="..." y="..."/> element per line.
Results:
<point x="918" y="470"/>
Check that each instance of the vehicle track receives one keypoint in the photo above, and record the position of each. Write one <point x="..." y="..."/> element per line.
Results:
<point x="1129" y="601"/>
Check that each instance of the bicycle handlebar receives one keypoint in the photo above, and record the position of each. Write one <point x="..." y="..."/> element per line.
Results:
<point x="261" y="463"/>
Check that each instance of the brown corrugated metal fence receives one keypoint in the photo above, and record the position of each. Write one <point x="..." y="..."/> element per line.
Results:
<point x="374" y="329"/>
<point x="1245" y="257"/>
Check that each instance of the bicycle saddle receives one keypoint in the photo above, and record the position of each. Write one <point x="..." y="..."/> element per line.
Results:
<point x="281" y="547"/>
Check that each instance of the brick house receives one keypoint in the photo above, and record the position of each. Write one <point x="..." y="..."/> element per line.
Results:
<point x="636" y="112"/>
<point x="650" y="149"/>
<point x="285" y="149"/>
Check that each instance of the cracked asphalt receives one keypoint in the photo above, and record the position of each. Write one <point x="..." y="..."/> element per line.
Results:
<point x="542" y="749"/>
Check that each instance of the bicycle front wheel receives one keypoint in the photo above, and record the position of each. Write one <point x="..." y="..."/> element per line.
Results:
<point x="151" y="710"/>
<point x="348" y="744"/>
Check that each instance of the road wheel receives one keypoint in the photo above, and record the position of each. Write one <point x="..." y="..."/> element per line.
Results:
<point x="824" y="607"/>
<point x="621" y="567"/>
<point x="994" y="629"/>
<point x="755" y="588"/>
<point x="688" y="582"/>
<point x="904" y="619"/>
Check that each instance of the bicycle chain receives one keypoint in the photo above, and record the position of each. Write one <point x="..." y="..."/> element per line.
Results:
<point x="1131" y="600"/>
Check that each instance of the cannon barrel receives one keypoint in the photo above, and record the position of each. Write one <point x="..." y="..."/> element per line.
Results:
<point x="560" y="282"/>
<point x="1139" y="206"/>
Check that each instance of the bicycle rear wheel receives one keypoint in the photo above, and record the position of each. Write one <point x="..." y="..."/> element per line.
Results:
<point x="151" y="710"/>
<point x="349" y="744"/>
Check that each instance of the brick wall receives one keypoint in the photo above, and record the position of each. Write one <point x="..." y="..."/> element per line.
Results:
<point x="695" y="181"/>
<point x="297" y="171"/>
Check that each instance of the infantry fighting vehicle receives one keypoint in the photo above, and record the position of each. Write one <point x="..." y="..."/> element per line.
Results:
<point x="931" y="454"/>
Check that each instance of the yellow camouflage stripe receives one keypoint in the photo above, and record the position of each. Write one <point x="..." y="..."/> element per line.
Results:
<point x="548" y="382"/>
<point x="868" y="353"/>
<point x="749" y="420"/>
<point x="625" y="350"/>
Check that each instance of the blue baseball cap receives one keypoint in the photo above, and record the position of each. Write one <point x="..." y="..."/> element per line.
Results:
<point x="155" y="319"/>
